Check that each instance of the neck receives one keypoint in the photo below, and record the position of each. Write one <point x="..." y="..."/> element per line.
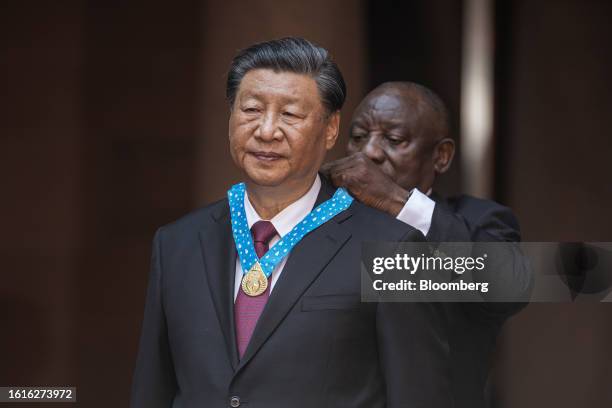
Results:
<point x="269" y="201"/>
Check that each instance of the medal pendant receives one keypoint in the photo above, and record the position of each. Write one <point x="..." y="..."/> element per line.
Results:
<point x="254" y="282"/>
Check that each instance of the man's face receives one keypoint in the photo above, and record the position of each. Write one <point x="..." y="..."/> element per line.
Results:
<point x="279" y="130"/>
<point x="388" y="129"/>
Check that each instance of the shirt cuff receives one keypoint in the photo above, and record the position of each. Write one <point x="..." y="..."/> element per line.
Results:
<point x="417" y="211"/>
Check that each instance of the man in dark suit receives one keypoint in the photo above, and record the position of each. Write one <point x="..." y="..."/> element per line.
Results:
<point x="399" y="143"/>
<point x="289" y="331"/>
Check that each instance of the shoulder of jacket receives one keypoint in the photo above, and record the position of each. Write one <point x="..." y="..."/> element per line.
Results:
<point x="379" y="222"/>
<point x="196" y="218"/>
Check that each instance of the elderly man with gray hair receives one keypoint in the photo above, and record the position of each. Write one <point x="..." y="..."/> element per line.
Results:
<point x="255" y="300"/>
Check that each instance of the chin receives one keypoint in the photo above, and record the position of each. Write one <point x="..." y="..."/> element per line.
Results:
<point x="267" y="174"/>
<point x="265" y="178"/>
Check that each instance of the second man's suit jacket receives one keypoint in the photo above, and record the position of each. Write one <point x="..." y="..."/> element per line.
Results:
<point x="315" y="345"/>
<point x="474" y="327"/>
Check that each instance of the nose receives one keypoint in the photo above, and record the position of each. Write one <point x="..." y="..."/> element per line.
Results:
<point x="373" y="150"/>
<point x="268" y="129"/>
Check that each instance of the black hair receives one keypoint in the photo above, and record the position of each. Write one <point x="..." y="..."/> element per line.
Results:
<point x="290" y="54"/>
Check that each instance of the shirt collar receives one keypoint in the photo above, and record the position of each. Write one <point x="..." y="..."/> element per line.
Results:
<point x="285" y="220"/>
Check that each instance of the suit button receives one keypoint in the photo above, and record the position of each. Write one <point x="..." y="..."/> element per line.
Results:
<point x="234" y="402"/>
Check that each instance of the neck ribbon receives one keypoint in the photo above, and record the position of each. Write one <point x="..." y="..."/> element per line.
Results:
<point x="243" y="240"/>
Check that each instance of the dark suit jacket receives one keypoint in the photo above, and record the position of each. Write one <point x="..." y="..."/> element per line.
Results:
<point x="473" y="327"/>
<point x="315" y="344"/>
<point x="464" y="219"/>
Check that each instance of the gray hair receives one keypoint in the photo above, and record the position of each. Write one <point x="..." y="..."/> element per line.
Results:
<point x="291" y="54"/>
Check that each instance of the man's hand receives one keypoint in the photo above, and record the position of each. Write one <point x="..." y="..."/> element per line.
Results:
<point x="367" y="183"/>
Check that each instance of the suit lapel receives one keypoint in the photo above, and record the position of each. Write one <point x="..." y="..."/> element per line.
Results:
<point x="305" y="263"/>
<point x="219" y="257"/>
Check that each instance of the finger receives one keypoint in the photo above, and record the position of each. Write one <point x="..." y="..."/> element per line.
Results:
<point x="337" y="178"/>
<point x="331" y="166"/>
<point x="344" y="163"/>
<point x="325" y="169"/>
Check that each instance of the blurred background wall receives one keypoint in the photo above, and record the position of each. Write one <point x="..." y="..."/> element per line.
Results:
<point x="114" y="122"/>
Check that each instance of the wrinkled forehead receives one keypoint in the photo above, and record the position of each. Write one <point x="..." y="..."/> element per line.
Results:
<point x="388" y="110"/>
<point x="289" y="86"/>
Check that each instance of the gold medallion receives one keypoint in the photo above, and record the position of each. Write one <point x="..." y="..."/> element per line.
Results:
<point x="254" y="282"/>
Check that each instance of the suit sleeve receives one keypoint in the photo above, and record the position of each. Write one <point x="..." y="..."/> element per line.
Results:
<point x="447" y="226"/>
<point x="511" y="273"/>
<point x="496" y="224"/>
<point x="414" y="352"/>
<point x="154" y="382"/>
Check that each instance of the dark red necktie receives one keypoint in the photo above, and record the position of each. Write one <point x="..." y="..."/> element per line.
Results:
<point x="247" y="309"/>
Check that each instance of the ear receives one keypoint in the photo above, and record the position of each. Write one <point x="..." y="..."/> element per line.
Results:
<point x="332" y="130"/>
<point x="444" y="151"/>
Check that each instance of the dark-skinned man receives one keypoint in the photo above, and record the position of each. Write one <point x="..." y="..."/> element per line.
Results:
<point x="399" y="143"/>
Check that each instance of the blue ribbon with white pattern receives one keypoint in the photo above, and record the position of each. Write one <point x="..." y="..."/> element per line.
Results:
<point x="243" y="240"/>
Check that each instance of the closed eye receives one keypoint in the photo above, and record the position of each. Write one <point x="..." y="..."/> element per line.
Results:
<point x="357" y="137"/>
<point x="291" y="114"/>
<point x="394" y="140"/>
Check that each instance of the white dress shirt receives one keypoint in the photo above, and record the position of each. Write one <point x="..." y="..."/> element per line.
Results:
<point x="283" y="222"/>
<point x="418" y="211"/>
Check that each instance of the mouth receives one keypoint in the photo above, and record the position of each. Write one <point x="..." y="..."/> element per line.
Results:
<point x="266" y="156"/>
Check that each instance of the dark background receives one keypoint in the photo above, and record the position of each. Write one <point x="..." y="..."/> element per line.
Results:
<point x="113" y="122"/>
